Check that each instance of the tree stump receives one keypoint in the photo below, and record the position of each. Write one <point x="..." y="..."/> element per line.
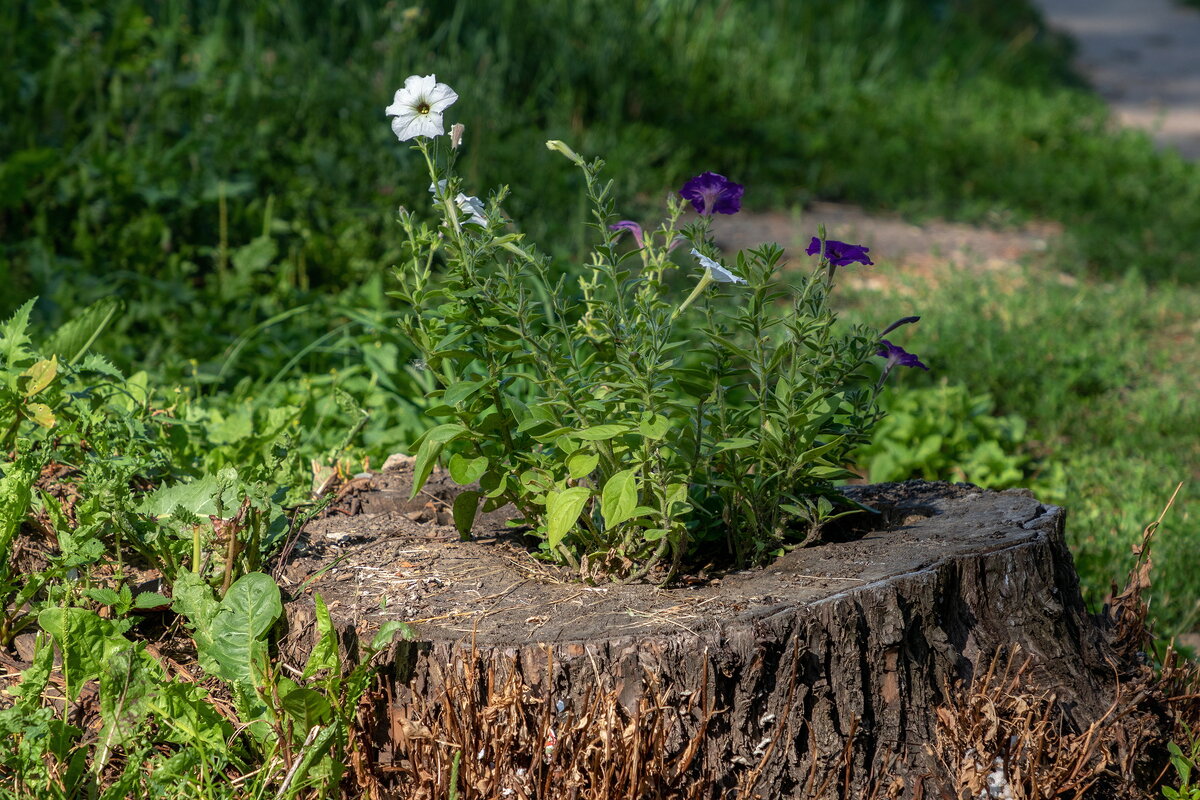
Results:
<point x="820" y="675"/>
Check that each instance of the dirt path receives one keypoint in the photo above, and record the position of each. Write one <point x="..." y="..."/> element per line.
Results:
<point x="1143" y="57"/>
<point x="914" y="248"/>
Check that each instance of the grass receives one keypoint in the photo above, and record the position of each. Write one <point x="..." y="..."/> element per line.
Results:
<point x="1099" y="372"/>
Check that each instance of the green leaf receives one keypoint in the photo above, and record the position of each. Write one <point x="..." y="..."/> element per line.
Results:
<point x="74" y="338"/>
<point x="12" y="335"/>
<point x="146" y="600"/>
<point x="198" y="497"/>
<point x="39" y="413"/>
<point x="423" y="465"/>
<point x="104" y="596"/>
<point x="562" y="512"/>
<point x="193" y="598"/>
<point x="186" y="716"/>
<point x="445" y="432"/>
<point x="388" y="631"/>
<point x="581" y="464"/>
<point x="460" y="392"/>
<point x="736" y="444"/>
<point x="16" y="496"/>
<point x="677" y="498"/>
<point x="39" y="376"/>
<point x="598" y="433"/>
<point x="466" y="470"/>
<point x="240" y="627"/>
<point x="619" y="498"/>
<point x="307" y="708"/>
<point x="127" y="678"/>
<point x="655" y="428"/>
<point x="817" y="452"/>
<point x="255" y="256"/>
<point x="324" y="655"/>
<point x="830" y="473"/>
<point x="86" y="642"/>
<point x="465" y="507"/>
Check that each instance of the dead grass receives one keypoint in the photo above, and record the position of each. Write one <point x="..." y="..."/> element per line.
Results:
<point x="486" y="733"/>
<point x="1002" y="738"/>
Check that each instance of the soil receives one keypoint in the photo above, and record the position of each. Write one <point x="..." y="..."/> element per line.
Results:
<point x="901" y="248"/>
<point x="1142" y="58"/>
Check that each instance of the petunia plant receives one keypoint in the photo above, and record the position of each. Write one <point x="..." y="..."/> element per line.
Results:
<point x="661" y="401"/>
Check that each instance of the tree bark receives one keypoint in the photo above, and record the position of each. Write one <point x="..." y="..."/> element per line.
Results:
<point x="817" y="676"/>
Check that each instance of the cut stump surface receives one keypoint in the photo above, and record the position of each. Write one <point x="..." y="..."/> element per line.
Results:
<point x="832" y="655"/>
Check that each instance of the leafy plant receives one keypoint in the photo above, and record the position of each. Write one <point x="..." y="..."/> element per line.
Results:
<point x="1184" y="764"/>
<point x="944" y="432"/>
<point x="621" y="430"/>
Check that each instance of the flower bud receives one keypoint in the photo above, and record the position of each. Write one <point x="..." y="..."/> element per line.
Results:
<point x="560" y="146"/>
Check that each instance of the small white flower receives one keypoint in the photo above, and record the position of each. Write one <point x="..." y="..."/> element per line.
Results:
<point x="417" y="108"/>
<point x="473" y="208"/>
<point x="469" y="205"/>
<point x="715" y="270"/>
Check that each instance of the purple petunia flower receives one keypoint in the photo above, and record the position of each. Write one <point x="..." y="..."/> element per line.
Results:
<point x="840" y="254"/>
<point x="711" y="193"/>
<point x="632" y="227"/>
<point x="897" y="355"/>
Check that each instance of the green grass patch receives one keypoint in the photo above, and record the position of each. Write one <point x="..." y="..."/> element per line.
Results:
<point x="1099" y="373"/>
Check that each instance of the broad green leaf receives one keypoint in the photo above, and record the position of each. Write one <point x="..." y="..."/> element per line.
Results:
<point x="150" y="600"/>
<point x="39" y="413"/>
<point x="466" y="505"/>
<point x="186" y="716"/>
<point x="104" y="596"/>
<point x="619" y="498"/>
<point x="12" y="334"/>
<point x="736" y="443"/>
<point x="817" y="452"/>
<point x="581" y="464"/>
<point x="562" y="512"/>
<point x="16" y="495"/>
<point x="39" y="376"/>
<point x="598" y="433"/>
<point x="388" y="631"/>
<point x="677" y="495"/>
<point x="324" y="655"/>
<point x="307" y="708"/>
<point x="493" y="484"/>
<point x="656" y="428"/>
<point x="85" y="641"/>
<point x="255" y="256"/>
<point x="198" y="497"/>
<point x="445" y="432"/>
<point x="193" y="598"/>
<point x="466" y="470"/>
<point x="427" y="457"/>
<point x="240" y="627"/>
<point x="127" y="677"/>
<point x="74" y="338"/>
<point x="461" y="391"/>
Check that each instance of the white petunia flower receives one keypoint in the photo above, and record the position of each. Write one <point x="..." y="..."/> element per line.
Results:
<point x="417" y="108"/>
<point x="469" y="205"/>
<point x="473" y="208"/>
<point x="718" y="272"/>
